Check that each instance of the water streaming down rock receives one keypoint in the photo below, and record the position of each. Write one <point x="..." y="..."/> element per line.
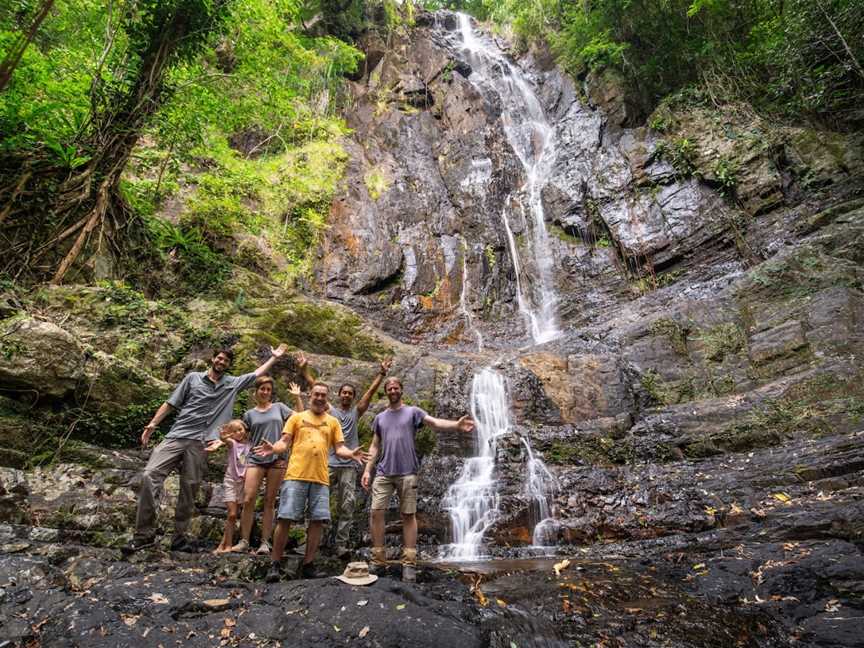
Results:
<point x="532" y="138"/>
<point x="539" y="489"/>
<point x="472" y="500"/>
<point x="463" y="298"/>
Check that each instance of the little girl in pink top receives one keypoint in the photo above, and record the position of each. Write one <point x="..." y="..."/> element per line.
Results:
<point x="235" y="436"/>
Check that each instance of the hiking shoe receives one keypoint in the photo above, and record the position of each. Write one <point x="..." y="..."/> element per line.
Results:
<point x="240" y="547"/>
<point x="274" y="575"/>
<point x="182" y="543"/>
<point x="378" y="569"/>
<point x="137" y="544"/>
<point x="264" y="549"/>
<point x="409" y="573"/>
<point x="307" y="570"/>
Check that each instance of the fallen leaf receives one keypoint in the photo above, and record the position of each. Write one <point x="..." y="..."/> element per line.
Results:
<point x="699" y="566"/>
<point x="130" y="619"/>
<point x="782" y="497"/>
<point x="710" y="510"/>
<point x="630" y="610"/>
<point x="225" y="632"/>
<point x="362" y="603"/>
<point x="566" y="605"/>
<point x="363" y="632"/>
<point x="401" y="606"/>
<point x="337" y="628"/>
<point x="735" y="509"/>
<point x="230" y="622"/>
<point x="501" y="603"/>
<point x="158" y="598"/>
<point x="561" y="566"/>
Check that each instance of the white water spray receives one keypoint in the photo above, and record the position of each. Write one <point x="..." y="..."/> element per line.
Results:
<point x="472" y="500"/>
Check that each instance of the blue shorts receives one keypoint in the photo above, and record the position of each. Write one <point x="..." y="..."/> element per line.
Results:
<point x="294" y="497"/>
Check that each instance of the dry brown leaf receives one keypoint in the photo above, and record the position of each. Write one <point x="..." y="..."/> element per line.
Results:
<point x="501" y="603"/>
<point x="363" y="632"/>
<point x="158" y="598"/>
<point x="130" y="619"/>
<point x="230" y="622"/>
<point x="561" y="566"/>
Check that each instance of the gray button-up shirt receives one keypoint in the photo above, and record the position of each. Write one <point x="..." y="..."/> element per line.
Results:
<point x="205" y="406"/>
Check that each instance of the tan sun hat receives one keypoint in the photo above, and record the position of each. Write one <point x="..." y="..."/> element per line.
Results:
<point x="357" y="573"/>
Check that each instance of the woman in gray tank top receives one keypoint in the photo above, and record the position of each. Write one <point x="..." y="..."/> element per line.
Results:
<point x="264" y="422"/>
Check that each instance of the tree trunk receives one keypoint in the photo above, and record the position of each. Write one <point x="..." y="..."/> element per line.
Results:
<point x="114" y="135"/>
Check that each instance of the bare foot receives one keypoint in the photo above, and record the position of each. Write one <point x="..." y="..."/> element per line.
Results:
<point x="220" y="550"/>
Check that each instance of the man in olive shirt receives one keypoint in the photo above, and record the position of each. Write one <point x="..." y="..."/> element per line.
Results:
<point x="343" y="472"/>
<point x="309" y="435"/>
<point x="204" y="401"/>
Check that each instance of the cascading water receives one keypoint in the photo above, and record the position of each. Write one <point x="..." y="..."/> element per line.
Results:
<point x="540" y="488"/>
<point x="472" y="500"/>
<point x="531" y="137"/>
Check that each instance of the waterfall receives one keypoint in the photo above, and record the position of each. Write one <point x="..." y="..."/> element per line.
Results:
<point x="531" y="137"/>
<point x="540" y="489"/>
<point x="472" y="500"/>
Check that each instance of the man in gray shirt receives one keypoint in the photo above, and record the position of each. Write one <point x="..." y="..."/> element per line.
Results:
<point x="343" y="472"/>
<point x="394" y="430"/>
<point x="204" y="401"/>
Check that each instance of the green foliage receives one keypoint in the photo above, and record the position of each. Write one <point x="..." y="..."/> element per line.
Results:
<point x="798" y="58"/>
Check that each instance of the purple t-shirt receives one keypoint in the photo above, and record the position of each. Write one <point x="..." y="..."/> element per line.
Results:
<point x="396" y="429"/>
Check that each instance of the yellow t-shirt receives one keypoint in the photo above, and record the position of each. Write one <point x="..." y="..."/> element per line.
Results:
<point x="313" y="436"/>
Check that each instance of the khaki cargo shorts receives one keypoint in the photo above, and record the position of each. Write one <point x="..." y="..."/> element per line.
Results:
<point x="405" y="487"/>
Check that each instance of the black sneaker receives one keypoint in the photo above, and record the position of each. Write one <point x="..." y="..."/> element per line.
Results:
<point x="137" y="544"/>
<point x="274" y="575"/>
<point x="307" y="570"/>
<point x="182" y="543"/>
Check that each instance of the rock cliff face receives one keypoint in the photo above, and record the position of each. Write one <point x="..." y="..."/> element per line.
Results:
<point x="702" y="409"/>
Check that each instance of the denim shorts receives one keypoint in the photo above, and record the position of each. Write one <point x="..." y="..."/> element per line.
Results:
<point x="294" y="497"/>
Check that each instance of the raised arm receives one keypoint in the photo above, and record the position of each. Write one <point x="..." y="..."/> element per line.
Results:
<point x="275" y="354"/>
<point x="164" y="410"/>
<point x="463" y="424"/>
<point x="303" y="365"/>
<point x="371" y="459"/>
<point x="363" y="403"/>
<point x="294" y="390"/>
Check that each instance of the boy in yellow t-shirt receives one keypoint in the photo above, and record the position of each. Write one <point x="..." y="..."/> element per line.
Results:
<point x="309" y="435"/>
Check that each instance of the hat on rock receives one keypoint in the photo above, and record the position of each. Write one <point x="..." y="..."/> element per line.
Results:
<point x="357" y="573"/>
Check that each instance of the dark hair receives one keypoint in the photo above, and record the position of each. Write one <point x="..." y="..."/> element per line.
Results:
<point x="393" y="379"/>
<point x="352" y="387"/>
<point x="225" y="351"/>
<point x="318" y="383"/>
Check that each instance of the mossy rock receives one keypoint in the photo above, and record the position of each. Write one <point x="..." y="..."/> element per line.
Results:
<point x="315" y="327"/>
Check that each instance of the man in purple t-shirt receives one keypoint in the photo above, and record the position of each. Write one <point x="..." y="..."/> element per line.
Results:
<point x="393" y="438"/>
